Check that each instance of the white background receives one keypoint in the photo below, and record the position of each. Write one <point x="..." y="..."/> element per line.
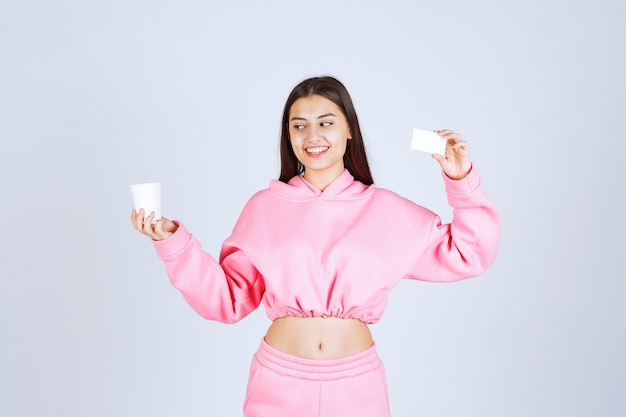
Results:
<point x="96" y="95"/>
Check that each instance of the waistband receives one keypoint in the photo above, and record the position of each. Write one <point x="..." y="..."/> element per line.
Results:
<point x="314" y="369"/>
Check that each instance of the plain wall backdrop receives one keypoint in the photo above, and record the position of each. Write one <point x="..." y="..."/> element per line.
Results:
<point x="97" y="95"/>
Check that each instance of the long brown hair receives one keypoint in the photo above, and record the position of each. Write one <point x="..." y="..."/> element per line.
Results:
<point x="354" y="159"/>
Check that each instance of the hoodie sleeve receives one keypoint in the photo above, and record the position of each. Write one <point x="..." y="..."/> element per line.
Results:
<point x="224" y="291"/>
<point x="467" y="246"/>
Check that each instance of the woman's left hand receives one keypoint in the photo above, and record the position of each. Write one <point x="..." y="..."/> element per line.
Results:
<point x="456" y="164"/>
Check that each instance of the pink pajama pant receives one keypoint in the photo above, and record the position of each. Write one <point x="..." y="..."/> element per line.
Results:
<point x="282" y="385"/>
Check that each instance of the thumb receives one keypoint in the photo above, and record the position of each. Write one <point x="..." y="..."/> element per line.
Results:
<point x="167" y="225"/>
<point x="439" y="158"/>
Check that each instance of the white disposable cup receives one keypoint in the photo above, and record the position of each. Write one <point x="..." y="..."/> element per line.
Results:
<point x="147" y="197"/>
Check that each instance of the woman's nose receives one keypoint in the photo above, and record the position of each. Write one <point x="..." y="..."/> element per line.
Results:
<point x="313" y="132"/>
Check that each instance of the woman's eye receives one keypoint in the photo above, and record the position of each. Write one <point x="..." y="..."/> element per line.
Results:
<point x="324" y="124"/>
<point x="298" y="127"/>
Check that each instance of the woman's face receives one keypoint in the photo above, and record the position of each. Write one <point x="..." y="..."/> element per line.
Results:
<point x="319" y="134"/>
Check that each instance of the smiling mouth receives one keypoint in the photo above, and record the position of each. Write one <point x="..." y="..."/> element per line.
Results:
<point x="317" y="150"/>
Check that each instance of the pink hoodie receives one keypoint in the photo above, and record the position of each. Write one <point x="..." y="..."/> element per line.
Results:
<point x="304" y="252"/>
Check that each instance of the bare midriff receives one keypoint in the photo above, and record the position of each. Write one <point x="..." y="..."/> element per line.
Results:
<point x="319" y="337"/>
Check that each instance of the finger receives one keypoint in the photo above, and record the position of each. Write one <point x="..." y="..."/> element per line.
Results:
<point x="138" y="220"/>
<point x="461" y="149"/>
<point x="445" y="132"/>
<point x="148" y="227"/>
<point x="454" y="137"/>
<point x="440" y="159"/>
<point x="158" y="228"/>
<point x="459" y="144"/>
<point x="164" y="224"/>
<point x="169" y="226"/>
<point x="163" y="229"/>
<point x="449" y="135"/>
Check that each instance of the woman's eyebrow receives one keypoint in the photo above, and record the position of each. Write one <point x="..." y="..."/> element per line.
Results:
<point x="319" y="117"/>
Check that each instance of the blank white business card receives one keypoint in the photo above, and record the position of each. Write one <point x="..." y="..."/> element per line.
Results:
<point x="428" y="141"/>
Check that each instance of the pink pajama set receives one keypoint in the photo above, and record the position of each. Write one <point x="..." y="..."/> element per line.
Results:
<point x="339" y="252"/>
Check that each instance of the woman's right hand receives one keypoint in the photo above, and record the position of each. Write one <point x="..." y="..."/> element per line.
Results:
<point x="161" y="230"/>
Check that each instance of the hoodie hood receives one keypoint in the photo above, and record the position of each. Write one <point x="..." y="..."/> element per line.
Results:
<point x="300" y="189"/>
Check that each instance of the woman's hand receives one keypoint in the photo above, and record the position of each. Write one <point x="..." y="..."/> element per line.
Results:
<point x="456" y="164"/>
<point x="161" y="230"/>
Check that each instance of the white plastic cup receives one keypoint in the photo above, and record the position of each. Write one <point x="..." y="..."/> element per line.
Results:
<point x="147" y="196"/>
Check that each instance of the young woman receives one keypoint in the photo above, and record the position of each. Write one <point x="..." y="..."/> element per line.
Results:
<point x="321" y="248"/>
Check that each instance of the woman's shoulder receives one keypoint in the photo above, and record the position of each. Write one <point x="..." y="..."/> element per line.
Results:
<point x="389" y="195"/>
<point x="397" y="205"/>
